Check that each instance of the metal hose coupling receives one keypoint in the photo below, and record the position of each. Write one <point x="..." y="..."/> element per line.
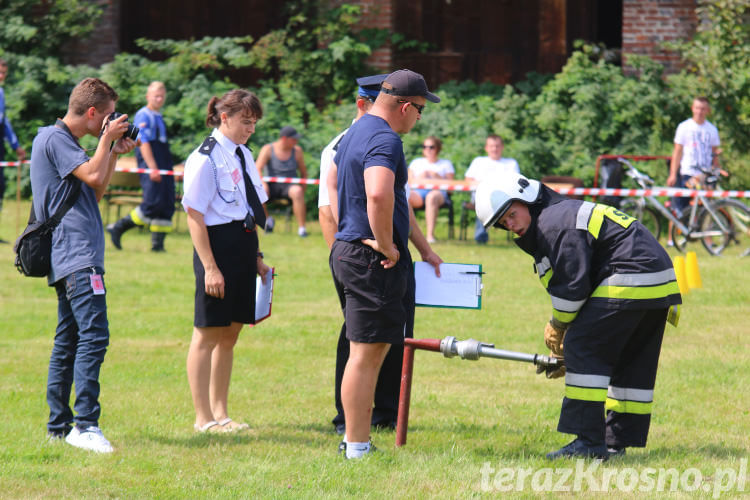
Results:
<point x="474" y="349"/>
<point x="466" y="349"/>
<point x="547" y="361"/>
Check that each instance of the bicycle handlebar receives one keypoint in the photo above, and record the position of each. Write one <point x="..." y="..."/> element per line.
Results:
<point x="642" y="179"/>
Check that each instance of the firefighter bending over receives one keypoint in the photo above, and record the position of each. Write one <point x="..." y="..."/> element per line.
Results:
<point x="613" y="288"/>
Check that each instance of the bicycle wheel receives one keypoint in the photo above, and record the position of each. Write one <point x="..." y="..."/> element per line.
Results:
<point x="715" y="231"/>
<point x="679" y="238"/>
<point x="646" y="215"/>
<point x="738" y="215"/>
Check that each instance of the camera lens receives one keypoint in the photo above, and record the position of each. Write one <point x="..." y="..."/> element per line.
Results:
<point x="132" y="132"/>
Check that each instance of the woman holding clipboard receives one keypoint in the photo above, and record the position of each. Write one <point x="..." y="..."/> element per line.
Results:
<point x="223" y="200"/>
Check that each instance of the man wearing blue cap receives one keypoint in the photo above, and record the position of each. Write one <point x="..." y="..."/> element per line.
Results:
<point x="370" y="258"/>
<point x="367" y="92"/>
<point x="388" y="385"/>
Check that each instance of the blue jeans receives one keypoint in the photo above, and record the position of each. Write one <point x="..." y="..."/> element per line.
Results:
<point x="680" y="203"/>
<point x="480" y="233"/>
<point x="81" y="341"/>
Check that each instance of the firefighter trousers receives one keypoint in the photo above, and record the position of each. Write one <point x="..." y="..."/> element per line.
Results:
<point x="611" y="357"/>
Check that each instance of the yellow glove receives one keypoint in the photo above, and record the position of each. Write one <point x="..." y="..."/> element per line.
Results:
<point x="553" y="337"/>
<point x="559" y="372"/>
<point x="550" y="372"/>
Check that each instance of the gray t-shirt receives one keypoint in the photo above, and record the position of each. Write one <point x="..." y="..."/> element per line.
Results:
<point x="78" y="242"/>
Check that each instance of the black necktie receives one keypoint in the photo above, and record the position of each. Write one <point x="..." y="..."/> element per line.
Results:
<point x="252" y="196"/>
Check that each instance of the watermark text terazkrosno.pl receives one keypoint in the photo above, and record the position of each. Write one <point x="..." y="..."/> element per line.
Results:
<point x="588" y="475"/>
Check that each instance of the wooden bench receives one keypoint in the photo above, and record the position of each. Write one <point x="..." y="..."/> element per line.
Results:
<point x="563" y="182"/>
<point x="281" y="207"/>
<point x="124" y="189"/>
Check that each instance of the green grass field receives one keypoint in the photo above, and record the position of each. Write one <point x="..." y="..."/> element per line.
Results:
<point x="478" y="428"/>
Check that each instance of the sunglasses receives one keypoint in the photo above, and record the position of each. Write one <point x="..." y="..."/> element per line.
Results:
<point x="428" y="146"/>
<point x="418" y="107"/>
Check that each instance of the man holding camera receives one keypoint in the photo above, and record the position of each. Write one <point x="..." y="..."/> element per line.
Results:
<point x="59" y="168"/>
<point x="157" y="207"/>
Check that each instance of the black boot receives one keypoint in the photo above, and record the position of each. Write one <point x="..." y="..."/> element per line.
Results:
<point x="581" y="448"/>
<point x="157" y="241"/>
<point x="115" y="230"/>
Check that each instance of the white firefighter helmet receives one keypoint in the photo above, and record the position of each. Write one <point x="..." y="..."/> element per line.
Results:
<point x="495" y="195"/>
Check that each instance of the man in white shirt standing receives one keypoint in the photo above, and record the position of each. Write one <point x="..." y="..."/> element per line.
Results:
<point x="485" y="167"/>
<point x="696" y="147"/>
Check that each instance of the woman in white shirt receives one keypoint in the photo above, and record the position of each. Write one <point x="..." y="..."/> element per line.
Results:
<point x="223" y="200"/>
<point x="428" y="168"/>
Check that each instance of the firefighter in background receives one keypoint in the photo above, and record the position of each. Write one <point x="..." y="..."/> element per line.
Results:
<point x="613" y="288"/>
<point x="158" y="205"/>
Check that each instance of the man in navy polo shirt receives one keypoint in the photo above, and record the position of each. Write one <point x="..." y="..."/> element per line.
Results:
<point x="370" y="256"/>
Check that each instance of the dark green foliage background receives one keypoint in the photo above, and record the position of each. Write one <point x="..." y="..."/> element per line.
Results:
<point x="552" y="124"/>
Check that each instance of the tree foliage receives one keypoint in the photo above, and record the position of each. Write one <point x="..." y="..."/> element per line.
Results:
<point x="718" y="66"/>
<point x="315" y="58"/>
<point x="41" y="29"/>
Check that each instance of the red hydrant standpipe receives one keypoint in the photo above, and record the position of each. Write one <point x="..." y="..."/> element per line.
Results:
<point x="450" y="347"/>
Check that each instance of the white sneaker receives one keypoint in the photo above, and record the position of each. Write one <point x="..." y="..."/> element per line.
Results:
<point x="90" y="439"/>
<point x="302" y="232"/>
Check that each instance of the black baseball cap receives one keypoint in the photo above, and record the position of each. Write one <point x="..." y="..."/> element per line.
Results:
<point x="289" y="131"/>
<point x="405" y="82"/>
<point x="369" y="86"/>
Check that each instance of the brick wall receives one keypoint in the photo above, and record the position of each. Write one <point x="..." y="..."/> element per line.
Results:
<point x="376" y="14"/>
<point x="648" y="23"/>
<point x="103" y="43"/>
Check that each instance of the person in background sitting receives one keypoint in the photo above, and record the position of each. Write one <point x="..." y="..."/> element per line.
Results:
<point x="429" y="167"/>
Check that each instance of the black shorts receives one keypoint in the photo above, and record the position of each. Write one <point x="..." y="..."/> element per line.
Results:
<point x="372" y="298"/>
<point x="278" y="190"/>
<point x="235" y="251"/>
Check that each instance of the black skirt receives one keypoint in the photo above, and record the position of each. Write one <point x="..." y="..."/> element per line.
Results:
<point x="235" y="251"/>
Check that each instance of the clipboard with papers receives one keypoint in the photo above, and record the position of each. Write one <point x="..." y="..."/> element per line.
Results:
<point x="264" y="296"/>
<point x="459" y="285"/>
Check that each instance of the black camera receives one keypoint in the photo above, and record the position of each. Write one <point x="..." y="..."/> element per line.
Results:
<point x="132" y="131"/>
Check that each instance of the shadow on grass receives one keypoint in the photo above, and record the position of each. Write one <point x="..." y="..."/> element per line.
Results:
<point x="298" y="435"/>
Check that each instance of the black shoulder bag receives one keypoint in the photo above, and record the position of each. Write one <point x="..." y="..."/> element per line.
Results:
<point x="34" y="247"/>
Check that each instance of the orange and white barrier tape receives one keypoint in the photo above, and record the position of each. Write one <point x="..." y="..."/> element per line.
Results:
<point x="443" y="187"/>
<point x="624" y="192"/>
<point x="13" y="163"/>
<point x="291" y="180"/>
<point x="658" y="191"/>
<point x="136" y="170"/>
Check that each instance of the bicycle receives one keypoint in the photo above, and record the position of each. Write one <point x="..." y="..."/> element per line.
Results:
<point x="716" y="223"/>
<point x="638" y="207"/>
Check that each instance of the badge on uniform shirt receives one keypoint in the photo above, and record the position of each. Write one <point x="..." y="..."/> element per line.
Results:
<point x="236" y="176"/>
<point x="97" y="284"/>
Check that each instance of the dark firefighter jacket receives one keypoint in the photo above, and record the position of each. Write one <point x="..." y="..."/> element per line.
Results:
<point x="592" y="252"/>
